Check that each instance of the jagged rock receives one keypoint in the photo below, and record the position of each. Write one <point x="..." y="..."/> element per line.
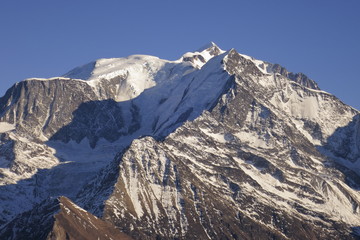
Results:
<point x="75" y="223"/>
<point x="59" y="219"/>
<point x="296" y="77"/>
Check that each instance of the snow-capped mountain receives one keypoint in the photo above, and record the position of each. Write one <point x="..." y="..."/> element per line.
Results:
<point x="215" y="145"/>
<point x="76" y="127"/>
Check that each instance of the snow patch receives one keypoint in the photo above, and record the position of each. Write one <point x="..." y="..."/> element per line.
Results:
<point x="6" y="127"/>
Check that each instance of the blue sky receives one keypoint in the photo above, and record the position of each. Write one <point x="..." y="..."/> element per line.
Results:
<point x="319" y="38"/>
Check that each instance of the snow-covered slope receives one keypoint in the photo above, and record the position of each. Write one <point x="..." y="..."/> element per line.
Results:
<point x="204" y="147"/>
<point x="132" y="75"/>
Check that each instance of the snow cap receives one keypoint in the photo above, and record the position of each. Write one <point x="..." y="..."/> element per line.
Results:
<point x="207" y="46"/>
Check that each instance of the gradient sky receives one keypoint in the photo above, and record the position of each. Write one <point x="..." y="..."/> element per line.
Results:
<point x="320" y="38"/>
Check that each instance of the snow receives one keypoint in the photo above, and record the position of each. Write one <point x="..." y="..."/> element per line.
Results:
<point x="26" y="163"/>
<point x="110" y="68"/>
<point x="304" y="104"/>
<point x="78" y="162"/>
<point x="261" y="65"/>
<point x="307" y="107"/>
<point x="219" y="137"/>
<point x="67" y="210"/>
<point x="57" y="169"/>
<point x="337" y="204"/>
<point x="81" y="72"/>
<point x="50" y="79"/>
<point x="206" y="46"/>
<point x="6" y="127"/>
<point x="147" y="196"/>
<point x="79" y="208"/>
<point x="310" y="89"/>
<point x="133" y="74"/>
<point x="253" y="139"/>
<point x="203" y="52"/>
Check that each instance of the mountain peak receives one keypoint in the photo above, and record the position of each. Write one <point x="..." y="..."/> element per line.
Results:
<point x="207" y="46"/>
<point x="202" y="55"/>
<point x="74" y="222"/>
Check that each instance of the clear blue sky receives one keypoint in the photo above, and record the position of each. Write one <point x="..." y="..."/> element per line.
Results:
<point x="320" y="38"/>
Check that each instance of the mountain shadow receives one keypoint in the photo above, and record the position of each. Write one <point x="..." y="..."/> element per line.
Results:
<point x="93" y="120"/>
<point x="343" y="151"/>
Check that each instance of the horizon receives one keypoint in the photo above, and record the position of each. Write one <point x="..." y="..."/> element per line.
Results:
<point x="49" y="39"/>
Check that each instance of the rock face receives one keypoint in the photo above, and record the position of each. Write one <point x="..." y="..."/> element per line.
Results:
<point x="215" y="145"/>
<point x="60" y="219"/>
<point x="297" y="77"/>
<point x="73" y="222"/>
<point x="33" y="224"/>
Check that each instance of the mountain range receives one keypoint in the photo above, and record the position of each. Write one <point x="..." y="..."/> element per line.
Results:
<point x="214" y="145"/>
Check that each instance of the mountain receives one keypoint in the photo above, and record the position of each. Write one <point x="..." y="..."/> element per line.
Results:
<point x="68" y="221"/>
<point x="215" y="145"/>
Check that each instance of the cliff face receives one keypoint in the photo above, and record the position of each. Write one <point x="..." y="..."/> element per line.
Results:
<point x="60" y="219"/>
<point x="73" y="222"/>
<point x="37" y="107"/>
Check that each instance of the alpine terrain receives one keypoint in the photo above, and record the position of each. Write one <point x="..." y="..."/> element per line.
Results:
<point x="215" y="145"/>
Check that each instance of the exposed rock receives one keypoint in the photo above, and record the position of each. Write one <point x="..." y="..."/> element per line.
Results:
<point x="296" y="77"/>
<point x="74" y="223"/>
